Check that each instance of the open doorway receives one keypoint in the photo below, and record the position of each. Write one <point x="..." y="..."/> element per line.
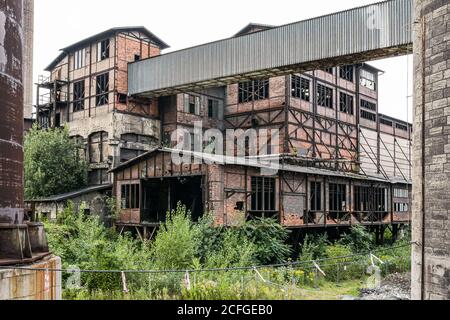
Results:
<point x="160" y="196"/>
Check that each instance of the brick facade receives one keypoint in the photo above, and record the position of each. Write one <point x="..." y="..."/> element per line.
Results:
<point x="431" y="160"/>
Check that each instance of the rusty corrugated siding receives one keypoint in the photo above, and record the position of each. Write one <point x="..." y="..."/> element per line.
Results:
<point x="11" y="110"/>
<point x="375" y="27"/>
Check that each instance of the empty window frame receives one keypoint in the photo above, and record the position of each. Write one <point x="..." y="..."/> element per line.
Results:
<point x="103" y="50"/>
<point x="370" y="199"/>
<point x="368" y="115"/>
<point x="337" y="197"/>
<point x="301" y="88"/>
<point x="130" y="196"/>
<point x="78" y="96"/>
<point x="324" y="96"/>
<point x="329" y="70"/>
<point x="253" y="90"/>
<point x="368" y="105"/>
<point x="263" y="194"/>
<point x="386" y="122"/>
<point x="79" y="59"/>
<point x="401" y="127"/>
<point x="401" y="193"/>
<point x="192" y="104"/>
<point x="346" y="73"/>
<point x="346" y="103"/>
<point x="213" y="109"/>
<point x="97" y="147"/>
<point x="315" y="196"/>
<point x="102" y="89"/>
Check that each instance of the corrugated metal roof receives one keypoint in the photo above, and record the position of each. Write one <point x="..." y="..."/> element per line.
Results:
<point x="257" y="163"/>
<point x="382" y="26"/>
<point x="73" y="194"/>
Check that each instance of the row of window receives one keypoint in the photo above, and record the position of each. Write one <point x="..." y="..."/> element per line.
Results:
<point x="102" y="92"/>
<point x="401" y="193"/>
<point x="263" y="197"/>
<point x="366" y="199"/>
<point x="102" y="54"/>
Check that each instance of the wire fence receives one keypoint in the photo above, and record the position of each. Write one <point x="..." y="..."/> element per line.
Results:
<point x="290" y="280"/>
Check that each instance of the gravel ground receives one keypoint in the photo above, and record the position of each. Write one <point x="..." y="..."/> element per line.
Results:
<point x="394" y="287"/>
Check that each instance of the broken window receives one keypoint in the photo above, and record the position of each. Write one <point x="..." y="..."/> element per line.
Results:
<point x="98" y="177"/>
<point x="338" y="197"/>
<point x="102" y="89"/>
<point x="324" y="96"/>
<point x="263" y="195"/>
<point x="401" y="127"/>
<point x="192" y="104"/>
<point x="368" y="105"/>
<point x="368" y="80"/>
<point x="316" y="196"/>
<point x="346" y="73"/>
<point x="130" y="196"/>
<point x="78" y="96"/>
<point x="136" y="138"/>
<point x="370" y="199"/>
<point x="129" y="154"/>
<point x="253" y="90"/>
<point x="81" y="148"/>
<point x="401" y="207"/>
<point x="137" y="57"/>
<point x="368" y="116"/>
<point x="329" y="70"/>
<point x="401" y="193"/>
<point x="122" y="98"/>
<point x="346" y="103"/>
<point x="386" y="122"/>
<point x="103" y="50"/>
<point x="79" y="59"/>
<point x="97" y="147"/>
<point x="301" y="88"/>
<point x="213" y="109"/>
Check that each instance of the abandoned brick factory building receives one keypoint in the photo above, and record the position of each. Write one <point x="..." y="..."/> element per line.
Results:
<point x="342" y="162"/>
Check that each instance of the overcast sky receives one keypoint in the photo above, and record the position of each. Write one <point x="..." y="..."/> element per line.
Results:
<point x="181" y="24"/>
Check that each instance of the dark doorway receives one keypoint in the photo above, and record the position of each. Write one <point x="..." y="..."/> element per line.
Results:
<point x="162" y="195"/>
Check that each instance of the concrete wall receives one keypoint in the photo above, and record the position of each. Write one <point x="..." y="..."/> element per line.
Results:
<point x="431" y="160"/>
<point x="32" y="285"/>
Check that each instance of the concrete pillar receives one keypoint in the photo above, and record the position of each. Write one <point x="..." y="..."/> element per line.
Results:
<point x="431" y="158"/>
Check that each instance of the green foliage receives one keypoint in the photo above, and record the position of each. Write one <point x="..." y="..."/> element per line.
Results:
<point x="270" y="239"/>
<point x="181" y="244"/>
<point x="85" y="243"/>
<point x="176" y="243"/>
<point x="313" y="247"/>
<point x="359" y="239"/>
<point x="52" y="163"/>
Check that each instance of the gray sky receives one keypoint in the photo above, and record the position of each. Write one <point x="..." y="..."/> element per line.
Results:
<point x="182" y="24"/>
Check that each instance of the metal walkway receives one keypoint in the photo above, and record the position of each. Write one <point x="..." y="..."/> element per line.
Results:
<point x="379" y="30"/>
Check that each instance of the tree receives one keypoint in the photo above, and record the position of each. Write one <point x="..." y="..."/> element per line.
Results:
<point x="52" y="163"/>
